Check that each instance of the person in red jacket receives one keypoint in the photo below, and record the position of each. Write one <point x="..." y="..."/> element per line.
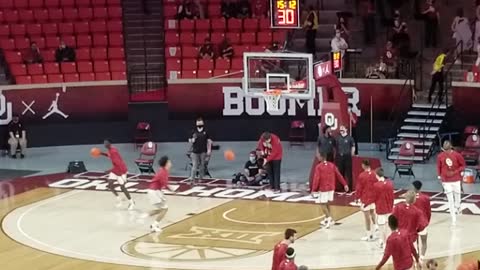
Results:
<point x="289" y="262"/>
<point x="281" y="247"/>
<point x="384" y="198"/>
<point x="366" y="195"/>
<point x="410" y="218"/>
<point x="399" y="247"/>
<point x="117" y="174"/>
<point x="422" y="202"/>
<point x="450" y="166"/>
<point x="155" y="193"/>
<point x="272" y="150"/>
<point x="324" y="180"/>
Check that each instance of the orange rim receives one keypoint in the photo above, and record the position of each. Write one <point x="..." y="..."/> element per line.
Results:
<point x="275" y="92"/>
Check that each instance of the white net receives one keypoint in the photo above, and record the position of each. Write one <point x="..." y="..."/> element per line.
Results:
<point x="272" y="99"/>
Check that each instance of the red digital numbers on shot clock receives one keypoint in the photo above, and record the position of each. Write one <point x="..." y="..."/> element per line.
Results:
<point x="285" y="13"/>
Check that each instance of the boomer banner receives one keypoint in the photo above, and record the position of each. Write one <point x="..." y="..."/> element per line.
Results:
<point x="218" y="100"/>
<point x="65" y="104"/>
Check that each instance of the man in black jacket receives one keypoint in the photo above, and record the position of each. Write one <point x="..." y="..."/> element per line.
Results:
<point x="201" y="149"/>
<point x="64" y="53"/>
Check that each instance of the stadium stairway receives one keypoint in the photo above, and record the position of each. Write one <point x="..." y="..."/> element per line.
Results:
<point x="421" y="127"/>
<point x="144" y="46"/>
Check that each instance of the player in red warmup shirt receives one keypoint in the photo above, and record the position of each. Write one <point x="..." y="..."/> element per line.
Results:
<point x="422" y="202"/>
<point x="117" y="174"/>
<point x="155" y="193"/>
<point x="324" y="180"/>
<point x="289" y="262"/>
<point x="272" y="150"/>
<point x="366" y="195"/>
<point x="450" y="166"/>
<point x="410" y="218"/>
<point x="400" y="248"/>
<point x="384" y="198"/>
<point x="281" y="247"/>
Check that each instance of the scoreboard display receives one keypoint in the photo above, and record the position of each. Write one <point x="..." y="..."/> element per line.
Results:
<point x="285" y="13"/>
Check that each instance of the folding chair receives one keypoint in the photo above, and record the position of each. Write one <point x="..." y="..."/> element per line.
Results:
<point x="143" y="133"/>
<point x="145" y="161"/>
<point x="404" y="163"/>
<point x="297" y="134"/>
<point x="471" y="152"/>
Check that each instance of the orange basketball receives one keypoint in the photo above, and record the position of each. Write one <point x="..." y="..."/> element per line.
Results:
<point x="229" y="155"/>
<point x="95" y="152"/>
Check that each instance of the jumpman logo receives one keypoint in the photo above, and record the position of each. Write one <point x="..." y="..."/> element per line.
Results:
<point x="54" y="109"/>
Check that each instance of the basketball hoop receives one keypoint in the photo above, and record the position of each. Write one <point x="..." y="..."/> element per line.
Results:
<point x="272" y="98"/>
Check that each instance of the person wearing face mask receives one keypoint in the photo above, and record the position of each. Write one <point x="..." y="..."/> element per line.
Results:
<point x="253" y="174"/>
<point x="345" y="149"/>
<point x="326" y="144"/>
<point x="17" y="137"/>
<point x="64" y="53"/>
<point x="272" y="151"/>
<point x="201" y="150"/>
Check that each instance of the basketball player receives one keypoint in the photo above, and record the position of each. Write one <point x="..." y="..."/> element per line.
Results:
<point x="281" y="247"/>
<point x="384" y="197"/>
<point x="155" y="193"/>
<point x="422" y="202"/>
<point x="272" y="150"/>
<point x="450" y="165"/>
<point x="366" y="195"/>
<point x="399" y="247"/>
<point x="324" y="180"/>
<point x="410" y="218"/>
<point x="117" y="174"/>
<point x="289" y="262"/>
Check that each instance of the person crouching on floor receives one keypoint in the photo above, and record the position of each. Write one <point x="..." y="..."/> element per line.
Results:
<point x="253" y="174"/>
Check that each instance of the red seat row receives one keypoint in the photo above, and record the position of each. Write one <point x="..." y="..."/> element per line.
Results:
<point x="60" y="28"/>
<point x="59" y="14"/>
<point x="97" y="40"/>
<point x="261" y="38"/>
<point x="192" y="52"/>
<point x="16" y="4"/>
<point x="175" y="64"/>
<point x="235" y="25"/>
<point x="72" y="77"/>
<point x="15" y="57"/>
<point x="203" y="74"/>
<point x="214" y="10"/>
<point x="68" y="67"/>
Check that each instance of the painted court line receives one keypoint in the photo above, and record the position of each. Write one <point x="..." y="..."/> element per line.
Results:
<point x="226" y="217"/>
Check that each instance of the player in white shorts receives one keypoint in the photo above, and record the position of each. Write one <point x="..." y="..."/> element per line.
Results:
<point x="155" y="194"/>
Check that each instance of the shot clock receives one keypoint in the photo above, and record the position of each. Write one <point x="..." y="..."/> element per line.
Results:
<point x="285" y="13"/>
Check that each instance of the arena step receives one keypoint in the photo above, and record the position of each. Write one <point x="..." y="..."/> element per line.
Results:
<point x="429" y="106"/>
<point x="427" y="113"/>
<point x="415" y="143"/>
<point x="414" y="158"/>
<point x="421" y="128"/>
<point x="416" y="135"/>
<point x="418" y="151"/>
<point x="423" y="121"/>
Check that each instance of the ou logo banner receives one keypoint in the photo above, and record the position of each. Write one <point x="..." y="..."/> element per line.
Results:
<point x="331" y="121"/>
<point x="5" y="110"/>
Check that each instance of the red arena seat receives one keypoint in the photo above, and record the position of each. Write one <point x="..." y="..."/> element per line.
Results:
<point x="50" y="29"/>
<point x="41" y="15"/>
<point x="84" y="67"/>
<point x="190" y="64"/>
<point x="6" y="4"/>
<point x="39" y="79"/>
<point x="206" y="64"/>
<point x="71" y="77"/>
<point x="218" y="24"/>
<point x="55" y="14"/>
<point x="55" y="78"/>
<point x="82" y="3"/>
<point x="98" y="27"/>
<point x="103" y="76"/>
<point x="35" y="3"/>
<point x="52" y="41"/>
<point x="97" y="3"/>
<point x="84" y="41"/>
<point x="173" y="52"/>
<point x="200" y="38"/>
<point x="22" y="43"/>
<point x="100" y="13"/>
<point x="18" y="69"/>
<point x="53" y="3"/>
<point x="26" y="15"/>
<point x="13" y="57"/>
<point x="204" y="74"/>
<point x="101" y="66"/>
<point x="174" y="64"/>
<point x="169" y="11"/>
<point x="187" y="38"/>
<point x="65" y="28"/>
<point x="189" y="52"/>
<point x="114" y="12"/>
<point x="34" y="29"/>
<point x="202" y="25"/>
<point x="7" y="44"/>
<point x="48" y="55"/>
<point x="221" y="63"/>
<point x="19" y="4"/>
<point x="118" y="65"/>
<point x="83" y="54"/>
<point x="250" y="25"/>
<point x="70" y="13"/>
<point x="235" y="25"/>
<point x="11" y="16"/>
<point x="249" y="38"/>
<point x="171" y="39"/>
<point x="23" y="79"/>
<point x="114" y="26"/>
<point x="4" y="30"/>
<point x="81" y="27"/>
<point x="115" y="40"/>
<point x="234" y="38"/>
<point x="51" y="68"/>
<point x="116" y="53"/>
<point x="35" y="69"/>
<point x="85" y="13"/>
<point x="217" y="37"/>
<point x="68" y="67"/>
<point x="99" y="53"/>
<point x="18" y="30"/>
<point x="119" y="76"/>
<point x="187" y="25"/>
<point x="189" y="74"/>
<point x="100" y="40"/>
<point x="70" y="40"/>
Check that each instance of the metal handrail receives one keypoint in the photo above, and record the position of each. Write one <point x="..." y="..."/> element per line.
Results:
<point x="445" y="89"/>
